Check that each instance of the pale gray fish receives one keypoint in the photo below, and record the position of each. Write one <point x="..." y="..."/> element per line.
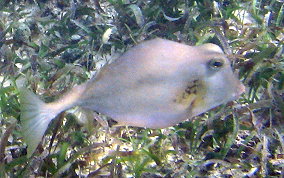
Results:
<point x="156" y="84"/>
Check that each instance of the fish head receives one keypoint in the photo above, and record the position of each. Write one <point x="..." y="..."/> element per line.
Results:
<point x="218" y="83"/>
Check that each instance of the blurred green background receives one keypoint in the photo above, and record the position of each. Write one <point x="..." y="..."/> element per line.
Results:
<point x="50" y="46"/>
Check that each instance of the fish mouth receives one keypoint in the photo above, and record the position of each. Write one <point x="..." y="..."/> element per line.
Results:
<point x="240" y="90"/>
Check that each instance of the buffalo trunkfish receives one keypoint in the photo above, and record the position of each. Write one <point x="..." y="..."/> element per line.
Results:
<point x="156" y="84"/>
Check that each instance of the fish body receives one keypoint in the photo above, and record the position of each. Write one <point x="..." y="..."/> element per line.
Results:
<point x="156" y="84"/>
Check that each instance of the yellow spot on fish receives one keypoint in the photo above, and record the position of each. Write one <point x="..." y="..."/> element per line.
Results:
<point x="192" y="95"/>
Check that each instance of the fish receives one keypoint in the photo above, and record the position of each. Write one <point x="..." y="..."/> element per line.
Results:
<point x="155" y="84"/>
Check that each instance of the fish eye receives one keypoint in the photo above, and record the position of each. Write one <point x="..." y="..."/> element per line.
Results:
<point x="216" y="63"/>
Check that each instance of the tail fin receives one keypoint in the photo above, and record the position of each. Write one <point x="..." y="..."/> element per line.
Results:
<point x="35" y="118"/>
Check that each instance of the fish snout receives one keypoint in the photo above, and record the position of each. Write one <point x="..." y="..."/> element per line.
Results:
<point x="240" y="89"/>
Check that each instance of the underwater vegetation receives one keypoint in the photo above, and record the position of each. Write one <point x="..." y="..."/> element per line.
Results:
<point x="51" y="46"/>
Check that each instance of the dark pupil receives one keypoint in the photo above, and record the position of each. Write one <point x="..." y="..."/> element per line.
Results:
<point x="217" y="64"/>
